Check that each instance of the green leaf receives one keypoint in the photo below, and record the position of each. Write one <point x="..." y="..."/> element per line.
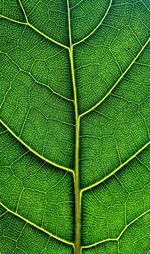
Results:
<point x="75" y="127"/>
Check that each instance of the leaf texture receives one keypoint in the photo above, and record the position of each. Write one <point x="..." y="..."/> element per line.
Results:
<point x="75" y="126"/>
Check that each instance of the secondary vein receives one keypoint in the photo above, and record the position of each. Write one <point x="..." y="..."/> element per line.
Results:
<point x="23" y="10"/>
<point x="34" y="152"/>
<point x="117" y="169"/>
<point x="117" y="82"/>
<point x="36" y="30"/>
<point x="99" y="24"/>
<point x="119" y="236"/>
<point x="36" y="226"/>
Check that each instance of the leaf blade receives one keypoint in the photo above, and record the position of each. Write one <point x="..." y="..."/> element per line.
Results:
<point x="74" y="103"/>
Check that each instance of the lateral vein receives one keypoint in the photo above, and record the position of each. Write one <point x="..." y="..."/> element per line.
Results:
<point x="23" y="10"/>
<point x="13" y="20"/>
<point x="115" y="170"/>
<point x="120" y="235"/>
<point x="99" y="24"/>
<point x="117" y="82"/>
<point x="34" y="152"/>
<point x="36" y="226"/>
<point x="36" y="81"/>
<point x="36" y="30"/>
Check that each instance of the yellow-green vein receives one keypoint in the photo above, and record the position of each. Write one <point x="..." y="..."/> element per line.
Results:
<point x="36" y="226"/>
<point x="47" y="37"/>
<point x="77" y="239"/>
<point x="23" y="10"/>
<point x="117" y="169"/>
<point x="117" y="82"/>
<point x="34" y="152"/>
<point x="36" y="30"/>
<point x="98" y="243"/>
<point x="13" y="20"/>
<point x="119" y="236"/>
<point x="99" y="24"/>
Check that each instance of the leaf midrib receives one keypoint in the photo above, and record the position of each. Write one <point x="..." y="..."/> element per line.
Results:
<point x="77" y="203"/>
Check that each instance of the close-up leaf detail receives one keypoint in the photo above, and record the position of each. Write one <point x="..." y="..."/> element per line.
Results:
<point x="75" y="126"/>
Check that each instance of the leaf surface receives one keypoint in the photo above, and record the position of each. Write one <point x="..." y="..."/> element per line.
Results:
<point x="75" y="127"/>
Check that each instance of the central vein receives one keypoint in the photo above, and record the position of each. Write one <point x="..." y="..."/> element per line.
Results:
<point x="77" y="242"/>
